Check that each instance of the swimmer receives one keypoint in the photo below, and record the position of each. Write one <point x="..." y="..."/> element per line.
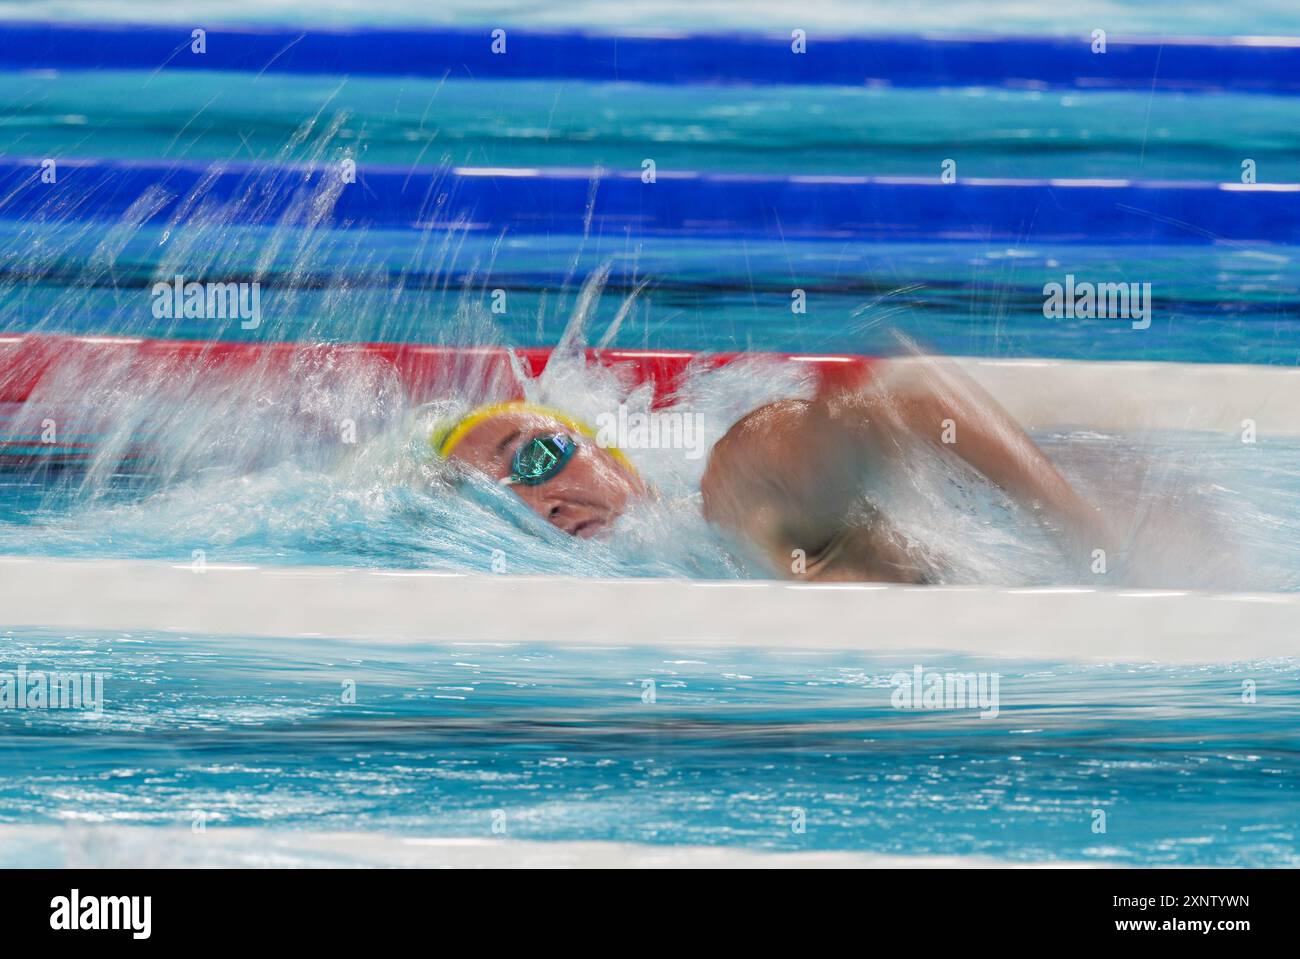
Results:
<point x="790" y="475"/>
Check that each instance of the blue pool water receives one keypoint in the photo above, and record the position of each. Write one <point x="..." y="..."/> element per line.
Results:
<point x="559" y="743"/>
<point x="1211" y="304"/>
<point x="832" y="16"/>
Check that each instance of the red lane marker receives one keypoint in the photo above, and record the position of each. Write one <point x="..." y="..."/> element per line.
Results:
<point x="29" y="361"/>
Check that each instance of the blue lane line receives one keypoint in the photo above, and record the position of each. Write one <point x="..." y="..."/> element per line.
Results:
<point x="556" y="201"/>
<point x="1262" y="66"/>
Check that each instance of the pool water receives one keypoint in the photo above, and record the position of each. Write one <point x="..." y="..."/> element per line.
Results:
<point x="1226" y="304"/>
<point x="664" y="746"/>
<point x="1276" y="17"/>
<point x="1213" y="302"/>
<point x="532" y="123"/>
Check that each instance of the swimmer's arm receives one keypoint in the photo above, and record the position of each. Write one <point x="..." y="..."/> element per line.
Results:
<point x="932" y="400"/>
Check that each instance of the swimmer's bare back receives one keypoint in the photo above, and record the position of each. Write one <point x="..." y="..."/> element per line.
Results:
<point x="788" y="476"/>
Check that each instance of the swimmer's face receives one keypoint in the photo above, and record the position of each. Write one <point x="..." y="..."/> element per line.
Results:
<point x="583" y="498"/>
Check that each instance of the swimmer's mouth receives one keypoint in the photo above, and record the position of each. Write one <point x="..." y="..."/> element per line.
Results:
<point x="587" y="528"/>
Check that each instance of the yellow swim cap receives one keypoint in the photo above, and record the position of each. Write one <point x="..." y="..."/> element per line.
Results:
<point x="446" y="438"/>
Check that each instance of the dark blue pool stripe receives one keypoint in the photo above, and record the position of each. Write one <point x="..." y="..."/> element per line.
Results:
<point x="704" y="205"/>
<point x="1129" y="63"/>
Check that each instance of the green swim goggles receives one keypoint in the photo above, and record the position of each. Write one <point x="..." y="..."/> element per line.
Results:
<point x="541" y="458"/>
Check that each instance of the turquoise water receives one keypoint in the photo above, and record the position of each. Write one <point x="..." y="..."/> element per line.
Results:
<point x="811" y="130"/>
<point x="558" y="743"/>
